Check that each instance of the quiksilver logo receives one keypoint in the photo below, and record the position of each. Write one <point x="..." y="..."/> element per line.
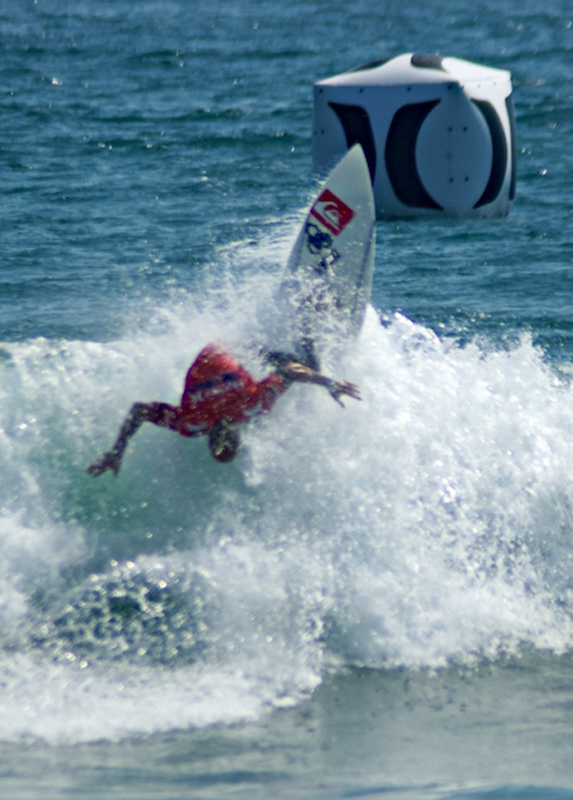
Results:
<point x="210" y="389"/>
<point x="332" y="212"/>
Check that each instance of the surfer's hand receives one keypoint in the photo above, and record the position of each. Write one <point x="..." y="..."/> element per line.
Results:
<point x="111" y="460"/>
<point x="338" y="388"/>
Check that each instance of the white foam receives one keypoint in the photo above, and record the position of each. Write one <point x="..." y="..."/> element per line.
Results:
<point x="430" y="522"/>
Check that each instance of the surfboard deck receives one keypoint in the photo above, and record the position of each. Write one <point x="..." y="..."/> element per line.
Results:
<point x="327" y="282"/>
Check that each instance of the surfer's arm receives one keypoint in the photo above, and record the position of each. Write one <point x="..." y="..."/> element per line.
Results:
<point x="160" y="414"/>
<point x="300" y="373"/>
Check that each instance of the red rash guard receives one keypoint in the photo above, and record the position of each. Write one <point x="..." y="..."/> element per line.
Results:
<point x="216" y="388"/>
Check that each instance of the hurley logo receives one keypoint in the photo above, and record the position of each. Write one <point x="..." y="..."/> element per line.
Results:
<point x="332" y="212"/>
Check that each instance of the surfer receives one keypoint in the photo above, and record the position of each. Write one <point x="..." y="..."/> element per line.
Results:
<point x="219" y="394"/>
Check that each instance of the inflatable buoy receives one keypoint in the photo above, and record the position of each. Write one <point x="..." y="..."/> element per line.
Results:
<point x="438" y="134"/>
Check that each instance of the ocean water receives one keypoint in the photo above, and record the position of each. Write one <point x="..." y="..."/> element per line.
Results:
<point x="375" y="601"/>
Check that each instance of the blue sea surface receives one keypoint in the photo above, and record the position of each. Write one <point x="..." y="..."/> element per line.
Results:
<point x="368" y="602"/>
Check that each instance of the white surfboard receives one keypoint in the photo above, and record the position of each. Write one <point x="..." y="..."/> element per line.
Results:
<point x="328" y="278"/>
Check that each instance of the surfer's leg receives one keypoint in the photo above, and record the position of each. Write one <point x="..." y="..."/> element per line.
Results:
<point x="309" y="356"/>
<point x="278" y="358"/>
<point x="305" y="356"/>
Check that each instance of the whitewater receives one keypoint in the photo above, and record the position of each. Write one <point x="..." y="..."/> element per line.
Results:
<point x="426" y="525"/>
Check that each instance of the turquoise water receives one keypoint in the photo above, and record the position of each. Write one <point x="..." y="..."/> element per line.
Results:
<point x="374" y="601"/>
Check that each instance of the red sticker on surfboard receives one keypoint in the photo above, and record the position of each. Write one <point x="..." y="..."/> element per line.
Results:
<point x="332" y="212"/>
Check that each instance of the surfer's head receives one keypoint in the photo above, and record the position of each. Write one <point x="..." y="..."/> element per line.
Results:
<point x="224" y="441"/>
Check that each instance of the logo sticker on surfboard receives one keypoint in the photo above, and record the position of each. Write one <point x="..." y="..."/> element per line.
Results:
<point x="332" y="212"/>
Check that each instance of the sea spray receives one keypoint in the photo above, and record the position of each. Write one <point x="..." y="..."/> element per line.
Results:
<point x="426" y="524"/>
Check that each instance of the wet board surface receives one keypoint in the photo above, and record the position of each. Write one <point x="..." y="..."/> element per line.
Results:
<point x="328" y="277"/>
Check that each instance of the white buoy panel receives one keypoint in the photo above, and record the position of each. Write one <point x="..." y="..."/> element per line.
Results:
<point x="438" y="134"/>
